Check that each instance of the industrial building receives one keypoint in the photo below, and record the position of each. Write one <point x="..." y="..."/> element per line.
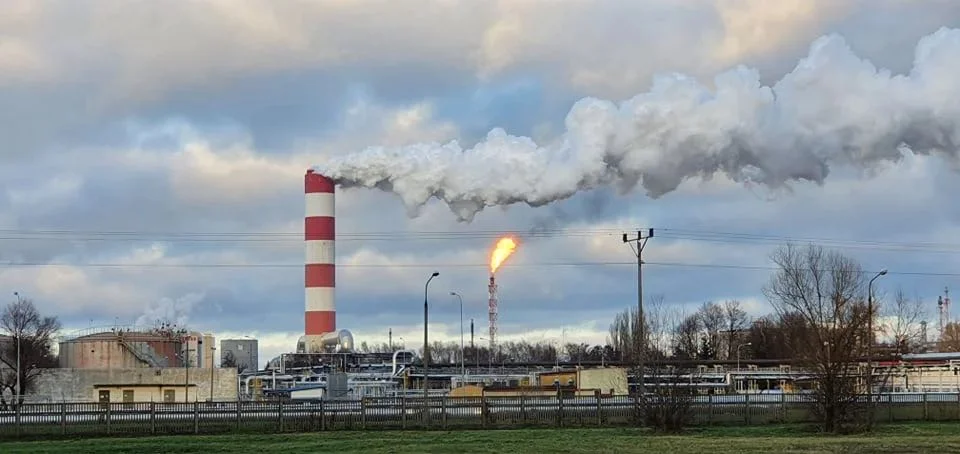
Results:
<point x="177" y="384"/>
<point x="170" y="364"/>
<point x="136" y="364"/>
<point x="244" y="352"/>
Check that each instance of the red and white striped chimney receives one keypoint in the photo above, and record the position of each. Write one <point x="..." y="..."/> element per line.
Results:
<point x="320" y="273"/>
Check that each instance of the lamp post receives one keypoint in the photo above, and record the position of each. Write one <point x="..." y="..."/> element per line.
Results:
<point x="463" y="369"/>
<point x="738" y="354"/>
<point x="870" y="336"/>
<point x="426" y="345"/>
<point x="19" y="335"/>
<point x="213" y="350"/>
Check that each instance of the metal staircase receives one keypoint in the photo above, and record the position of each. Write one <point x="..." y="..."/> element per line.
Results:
<point x="144" y="352"/>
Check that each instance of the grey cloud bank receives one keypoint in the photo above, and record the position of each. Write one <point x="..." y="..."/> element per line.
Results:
<point x="833" y="108"/>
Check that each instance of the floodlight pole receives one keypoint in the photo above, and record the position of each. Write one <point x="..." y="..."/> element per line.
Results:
<point x="870" y="339"/>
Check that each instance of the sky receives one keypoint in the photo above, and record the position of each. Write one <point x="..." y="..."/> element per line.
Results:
<point x="153" y="158"/>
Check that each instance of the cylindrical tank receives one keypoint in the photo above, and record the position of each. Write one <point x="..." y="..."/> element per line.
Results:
<point x="122" y="349"/>
<point x="320" y="315"/>
<point x="340" y="341"/>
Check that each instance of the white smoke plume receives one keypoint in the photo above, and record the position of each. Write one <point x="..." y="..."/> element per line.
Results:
<point x="168" y="310"/>
<point x="833" y="108"/>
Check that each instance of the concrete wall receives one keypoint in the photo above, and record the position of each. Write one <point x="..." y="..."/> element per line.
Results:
<point x="82" y="385"/>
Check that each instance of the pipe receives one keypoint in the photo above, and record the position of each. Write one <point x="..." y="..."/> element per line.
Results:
<point x="394" y="370"/>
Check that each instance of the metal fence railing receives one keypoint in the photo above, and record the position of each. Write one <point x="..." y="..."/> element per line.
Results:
<point x="33" y="420"/>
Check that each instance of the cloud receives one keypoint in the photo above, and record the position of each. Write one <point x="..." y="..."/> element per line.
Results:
<point x="166" y="151"/>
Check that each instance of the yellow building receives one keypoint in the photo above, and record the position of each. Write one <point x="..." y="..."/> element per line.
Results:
<point x="609" y="381"/>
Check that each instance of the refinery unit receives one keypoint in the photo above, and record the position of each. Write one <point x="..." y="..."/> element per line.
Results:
<point x="108" y="364"/>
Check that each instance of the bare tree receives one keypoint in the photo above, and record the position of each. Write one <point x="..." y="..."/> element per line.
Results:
<point x="712" y="321"/>
<point x="667" y="405"/>
<point x="686" y="342"/>
<point x="820" y="295"/>
<point x="736" y="326"/>
<point x="904" y="317"/>
<point x="950" y="338"/>
<point x="624" y="334"/>
<point x="35" y="336"/>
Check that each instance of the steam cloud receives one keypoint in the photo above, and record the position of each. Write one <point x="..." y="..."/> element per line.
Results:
<point x="833" y="108"/>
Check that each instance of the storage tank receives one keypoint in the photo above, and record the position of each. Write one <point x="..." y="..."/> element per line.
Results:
<point x="122" y="348"/>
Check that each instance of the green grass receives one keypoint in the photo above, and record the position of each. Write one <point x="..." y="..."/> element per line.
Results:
<point x="899" y="438"/>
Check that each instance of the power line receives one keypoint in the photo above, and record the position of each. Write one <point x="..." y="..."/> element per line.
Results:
<point x="443" y="265"/>
<point x="291" y="237"/>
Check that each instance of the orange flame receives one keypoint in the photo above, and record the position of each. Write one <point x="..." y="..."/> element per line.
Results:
<point x="505" y="247"/>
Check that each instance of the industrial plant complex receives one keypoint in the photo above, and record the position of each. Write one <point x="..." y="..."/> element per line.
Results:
<point x="168" y="363"/>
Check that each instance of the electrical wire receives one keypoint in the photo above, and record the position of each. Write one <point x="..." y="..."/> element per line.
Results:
<point x="395" y="236"/>
<point x="411" y="236"/>
<point x="443" y="265"/>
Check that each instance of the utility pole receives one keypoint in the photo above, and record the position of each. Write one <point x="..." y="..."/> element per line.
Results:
<point x="641" y="241"/>
<point x="19" y="333"/>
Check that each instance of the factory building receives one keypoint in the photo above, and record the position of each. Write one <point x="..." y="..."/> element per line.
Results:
<point x="135" y="364"/>
<point x="243" y="351"/>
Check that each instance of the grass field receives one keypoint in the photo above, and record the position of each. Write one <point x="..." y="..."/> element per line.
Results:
<point x="900" y="438"/>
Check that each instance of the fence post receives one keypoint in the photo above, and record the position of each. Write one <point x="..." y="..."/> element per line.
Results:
<point x="239" y="405"/>
<point x="709" y="409"/>
<point x="746" y="406"/>
<point x="153" y="418"/>
<point x="443" y="411"/>
<point x="783" y="406"/>
<point x="599" y="408"/>
<point x="280" y="414"/>
<point x="363" y="412"/>
<point x="196" y="416"/>
<point x="926" y="409"/>
<point x="109" y="407"/>
<point x="483" y="410"/>
<point x="403" y="412"/>
<point x="323" y="414"/>
<point x="523" y="409"/>
<point x="63" y="418"/>
<point x="636" y="409"/>
<point x="890" y="406"/>
<point x="559" y="409"/>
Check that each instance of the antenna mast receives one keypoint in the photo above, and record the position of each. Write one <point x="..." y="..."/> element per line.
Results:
<point x="943" y="305"/>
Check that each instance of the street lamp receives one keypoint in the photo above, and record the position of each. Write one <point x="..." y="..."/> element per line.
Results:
<point x="426" y="345"/>
<point x="213" y="350"/>
<point x="462" y="368"/>
<point x="19" y="335"/>
<point x="870" y="339"/>
<point x="738" y="354"/>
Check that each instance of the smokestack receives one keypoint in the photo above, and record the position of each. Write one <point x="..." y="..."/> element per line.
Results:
<point x="790" y="131"/>
<point x="320" y="271"/>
